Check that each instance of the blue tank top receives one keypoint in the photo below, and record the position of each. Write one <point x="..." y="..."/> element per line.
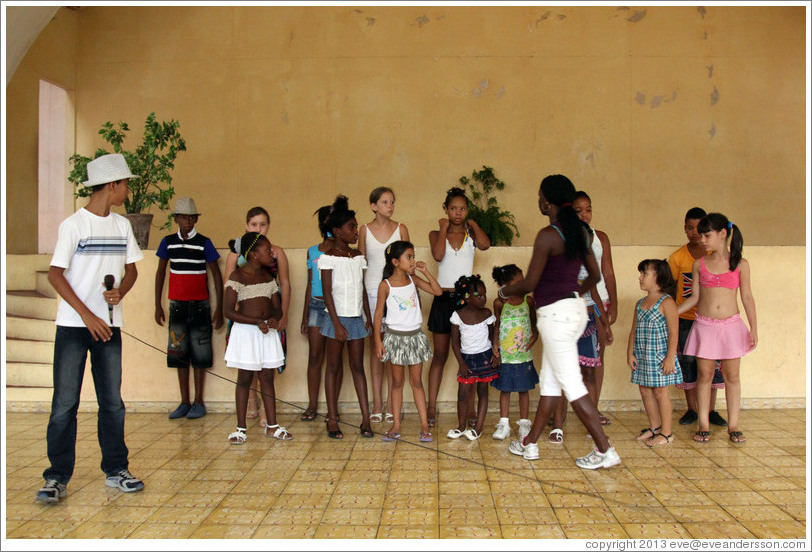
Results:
<point x="313" y="254"/>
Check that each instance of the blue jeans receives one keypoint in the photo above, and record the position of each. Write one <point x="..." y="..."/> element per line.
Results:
<point x="70" y="353"/>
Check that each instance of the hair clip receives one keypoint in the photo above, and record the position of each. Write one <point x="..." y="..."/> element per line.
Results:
<point x="389" y="249"/>
<point x="730" y="225"/>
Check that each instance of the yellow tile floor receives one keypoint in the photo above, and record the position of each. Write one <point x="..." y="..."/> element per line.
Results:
<point x="200" y="486"/>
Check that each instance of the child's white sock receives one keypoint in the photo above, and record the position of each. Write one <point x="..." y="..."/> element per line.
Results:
<point x="504" y="421"/>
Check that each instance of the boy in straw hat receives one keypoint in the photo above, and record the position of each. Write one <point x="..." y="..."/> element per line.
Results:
<point x="92" y="269"/>
<point x="190" y="322"/>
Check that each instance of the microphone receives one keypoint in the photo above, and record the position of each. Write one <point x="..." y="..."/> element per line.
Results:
<point x="109" y="280"/>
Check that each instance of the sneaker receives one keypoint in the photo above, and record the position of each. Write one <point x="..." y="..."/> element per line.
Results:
<point x="52" y="491"/>
<point x="597" y="459"/>
<point x="529" y="451"/>
<point x="198" y="410"/>
<point x="502" y="431"/>
<point x="180" y="412"/>
<point x="688" y="418"/>
<point x="524" y="428"/>
<point x="716" y="419"/>
<point x="125" y="481"/>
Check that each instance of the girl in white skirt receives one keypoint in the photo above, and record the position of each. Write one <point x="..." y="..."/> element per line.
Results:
<point x="404" y="343"/>
<point x="254" y="344"/>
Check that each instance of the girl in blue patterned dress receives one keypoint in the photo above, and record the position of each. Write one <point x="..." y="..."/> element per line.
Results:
<point x="652" y="350"/>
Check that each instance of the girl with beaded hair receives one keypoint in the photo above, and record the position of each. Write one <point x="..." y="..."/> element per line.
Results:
<point x="254" y="346"/>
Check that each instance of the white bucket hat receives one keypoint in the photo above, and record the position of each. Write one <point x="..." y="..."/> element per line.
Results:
<point x="185" y="206"/>
<point x="107" y="168"/>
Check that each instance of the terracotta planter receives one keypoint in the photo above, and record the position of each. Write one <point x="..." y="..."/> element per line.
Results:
<point x="140" y="223"/>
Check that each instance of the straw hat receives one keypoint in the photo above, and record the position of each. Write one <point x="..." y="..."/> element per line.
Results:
<point x="185" y="206"/>
<point x="107" y="168"/>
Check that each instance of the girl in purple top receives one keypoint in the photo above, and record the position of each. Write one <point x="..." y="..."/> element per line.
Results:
<point x="558" y="252"/>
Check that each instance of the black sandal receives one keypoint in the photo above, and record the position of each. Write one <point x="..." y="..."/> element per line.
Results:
<point x="308" y="415"/>
<point x="654" y="431"/>
<point x="333" y="434"/>
<point x="737" y="437"/>
<point x="703" y="436"/>
<point x="367" y="433"/>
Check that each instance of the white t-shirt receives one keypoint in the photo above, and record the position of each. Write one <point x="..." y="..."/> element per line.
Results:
<point x="348" y="282"/>
<point x="473" y="338"/>
<point x="89" y="247"/>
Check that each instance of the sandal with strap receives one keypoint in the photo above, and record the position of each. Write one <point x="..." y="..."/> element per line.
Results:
<point x="376" y="418"/>
<point x="280" y="433"/>
<point x="333" y="434"/>
<point x="737" y="437"/>
<point x="389" y="418"/>
<point x="653" y="430"/>
<point x="454" y="433"/>
<point x="237" y="437"/>
<point x="308" y="415"/>
<point x="425" y="437"/>
<point x="367" y="433"/>
<point x="702" y="436"/>
<point x="556" y="436"/>
<point x="668" y="438"/>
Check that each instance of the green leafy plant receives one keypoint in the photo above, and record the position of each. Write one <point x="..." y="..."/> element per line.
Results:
<point x="153" y="161"/>
<point x="498" y="224"/>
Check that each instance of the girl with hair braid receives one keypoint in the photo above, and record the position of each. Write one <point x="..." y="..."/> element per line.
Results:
<point x="718" y="331"/>
<point x="558" y="253"/>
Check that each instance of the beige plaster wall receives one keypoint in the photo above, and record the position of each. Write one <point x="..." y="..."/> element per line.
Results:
<point x="651" y="110"/>
<point x="774" y="372"/>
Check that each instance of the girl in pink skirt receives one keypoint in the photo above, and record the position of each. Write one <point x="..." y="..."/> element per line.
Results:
<point x="718" y="331"/>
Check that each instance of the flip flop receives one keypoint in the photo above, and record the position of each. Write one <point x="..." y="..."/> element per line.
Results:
<point x="389" y="437"/>
<point x="737" y="437"/>
<point x="425" y="437"/>
<point x="702" y="436"/>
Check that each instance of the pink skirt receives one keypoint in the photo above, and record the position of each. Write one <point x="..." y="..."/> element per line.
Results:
<point x="718" y="338"/>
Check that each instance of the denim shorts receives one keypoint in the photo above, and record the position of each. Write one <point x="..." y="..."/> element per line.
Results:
<point x="315" y="313"/>
<point x="189" y="335"/>
<point x="354" y="325"/>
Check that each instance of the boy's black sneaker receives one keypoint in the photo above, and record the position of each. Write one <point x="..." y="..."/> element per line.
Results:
<point x="52" y="492"/>
<point x="716" y="419"/>
<point x="688" y="418"/>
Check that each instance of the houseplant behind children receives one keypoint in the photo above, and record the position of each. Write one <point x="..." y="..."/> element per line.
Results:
<point x="254" y="344"/>
<point x="652" y="350"/>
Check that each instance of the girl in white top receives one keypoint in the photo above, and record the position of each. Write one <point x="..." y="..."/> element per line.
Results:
<point x="404" y="343"/>
<point x="342" y="280"/>
<point x="254" y="345"/>
<point x="373" y="239"/>
<point x="607" y="288"/>
<point x="452" y="246"/>
<point x="474" y="341"/>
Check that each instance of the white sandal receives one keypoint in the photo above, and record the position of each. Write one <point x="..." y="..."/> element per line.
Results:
<point x="558" y="437"/>
<point x="376" y="418"/>
<point x="281" y="433"/>
<point x="238" y="437"/>
<point x="471" y="434"/>
<point x="389" y="417"/>
<point x="454" y="433"/>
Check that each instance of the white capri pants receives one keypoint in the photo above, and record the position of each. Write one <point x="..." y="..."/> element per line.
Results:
<point x="560" y="325"/>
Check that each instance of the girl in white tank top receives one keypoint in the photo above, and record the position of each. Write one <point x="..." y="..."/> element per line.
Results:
<point x="373" y="239"/>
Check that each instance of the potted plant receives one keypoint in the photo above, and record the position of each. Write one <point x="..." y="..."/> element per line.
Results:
<point x="153" y="161"/>
<point x="498" y="224"/>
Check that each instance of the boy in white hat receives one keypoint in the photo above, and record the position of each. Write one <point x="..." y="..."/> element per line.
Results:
<point x="188" y="254"/>
<point x="92" y="269"/>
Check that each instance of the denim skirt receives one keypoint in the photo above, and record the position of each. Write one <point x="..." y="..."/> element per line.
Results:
<point x="354" y="325"/>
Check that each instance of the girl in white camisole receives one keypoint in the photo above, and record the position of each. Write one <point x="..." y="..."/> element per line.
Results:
<point x="453" y="247"/>
<point x="373" y="239"/>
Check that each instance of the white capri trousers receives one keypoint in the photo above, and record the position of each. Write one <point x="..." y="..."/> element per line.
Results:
<point x="560" y="325"/>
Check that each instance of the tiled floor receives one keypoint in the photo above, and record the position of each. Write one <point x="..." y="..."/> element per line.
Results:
<point x="200" y="486"/>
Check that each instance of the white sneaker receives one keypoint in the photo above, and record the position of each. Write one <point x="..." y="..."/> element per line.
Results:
<point x="502" y="431"/>
<point x="529" y="451"/>
<point x="524" y="428"/>
<point x="596" y="459"/>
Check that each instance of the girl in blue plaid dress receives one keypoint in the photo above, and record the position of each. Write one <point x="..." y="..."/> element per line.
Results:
<point x="652" y="350"/>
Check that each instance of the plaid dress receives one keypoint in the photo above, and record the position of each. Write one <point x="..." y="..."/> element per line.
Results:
<point x="650" y="347"/>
